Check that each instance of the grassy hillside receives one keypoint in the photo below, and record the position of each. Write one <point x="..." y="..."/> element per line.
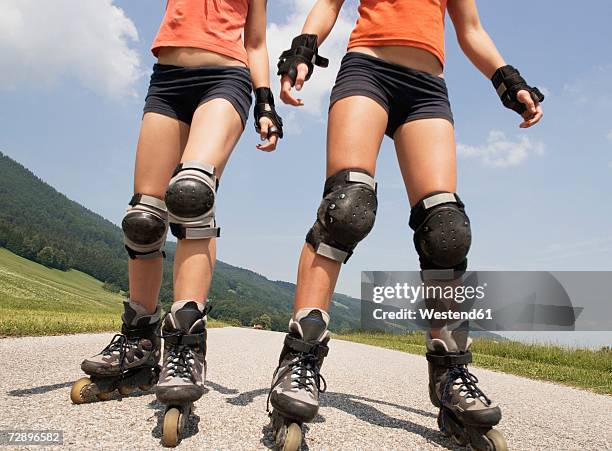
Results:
<point x="42" y="225"/>
<point x="582" y="368"/>
<point x="36" y="300"/>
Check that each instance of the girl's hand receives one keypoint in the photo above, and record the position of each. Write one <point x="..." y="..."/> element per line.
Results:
<point x="286" y="85"/>
<point x="533" y="113"/>
<point x="267" y="133"/>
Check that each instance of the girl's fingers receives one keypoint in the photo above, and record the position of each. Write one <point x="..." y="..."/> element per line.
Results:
<point x="302" y="72"/>
<point x="273" y="141"/>
<point x="264" y="127"/>
<point x="285" y="93"/>
<point x="524" y="97"/>
<point x="270" y="145"/>
<point x="532" y="120"/>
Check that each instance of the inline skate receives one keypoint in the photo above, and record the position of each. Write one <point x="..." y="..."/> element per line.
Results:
<point x="466" y="413"/>
<point x="129" y="361"/>
<point x="183" y="372"/>
<point x="296" y="383"/>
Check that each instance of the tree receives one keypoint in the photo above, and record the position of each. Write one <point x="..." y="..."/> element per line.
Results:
<point x="112" y="287"/>
<point x="264" y="321"/>
<point x="46" y="256"/>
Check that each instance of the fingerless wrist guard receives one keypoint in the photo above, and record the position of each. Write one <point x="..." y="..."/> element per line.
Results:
<point x="303" y="49"/>
<point x="507" y="81"/>
<point x="264" y="107"/>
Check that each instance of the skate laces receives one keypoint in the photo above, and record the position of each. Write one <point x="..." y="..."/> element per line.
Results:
<point x="179" y="361"/>
<point x="304" y="373"/>
<point x="460" y="377"/>
<point x="180" y="358"/>
<point x="120" y="344"/>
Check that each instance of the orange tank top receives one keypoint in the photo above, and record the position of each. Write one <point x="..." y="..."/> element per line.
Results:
<point x="415" y="23"/>
<point x="215" y="25"/>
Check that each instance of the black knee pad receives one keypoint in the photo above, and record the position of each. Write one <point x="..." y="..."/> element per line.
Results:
<point x="190" y="198"/>
<point x="144" y="227"/>
<point x="442" y="235"/>
<point x="346" y="214"/>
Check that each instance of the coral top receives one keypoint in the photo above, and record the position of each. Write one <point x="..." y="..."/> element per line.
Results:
<point x="415" y="23"/>
<point x="215" y="25"/>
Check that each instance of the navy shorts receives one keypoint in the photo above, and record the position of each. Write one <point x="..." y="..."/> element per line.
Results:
<point x="177" y="91"/>
<point x="406" y="94"/>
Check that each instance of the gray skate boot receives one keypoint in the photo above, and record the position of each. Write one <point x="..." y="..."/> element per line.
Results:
<point x="181" y="381"/>
<point x="129" y="361"/>
<point x="466" y="413"/>
<point x="296" y="383"/>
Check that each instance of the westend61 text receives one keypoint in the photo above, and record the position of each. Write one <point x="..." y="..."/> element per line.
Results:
<point x="431" y="314"/>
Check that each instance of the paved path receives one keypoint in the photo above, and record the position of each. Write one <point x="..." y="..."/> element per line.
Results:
<point x="377" y="399"/>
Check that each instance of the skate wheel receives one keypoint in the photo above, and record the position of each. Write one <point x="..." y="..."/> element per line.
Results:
<point x="77" y="392"/>
<point x="497" y="440"/>
<point x="171" y="427"/>
<point x="126" y="390"/>
<point x="293" y="439"/>
<point x="104" y="396"/>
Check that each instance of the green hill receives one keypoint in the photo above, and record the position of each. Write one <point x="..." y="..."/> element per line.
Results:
<point x="36" y="300"/>
<point x="42" y="225"/>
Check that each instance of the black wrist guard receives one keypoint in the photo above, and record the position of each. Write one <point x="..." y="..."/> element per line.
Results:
<point x="507" y="81"/>
<point x="264" y="107"/>
<point x="303" y="49"/>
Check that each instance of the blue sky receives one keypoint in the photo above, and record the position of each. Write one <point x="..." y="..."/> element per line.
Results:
<point x="72" y="85"/>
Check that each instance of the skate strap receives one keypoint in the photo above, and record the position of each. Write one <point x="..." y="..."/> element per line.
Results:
<point x="462" y="358"/>
<point x="317" y="349"/>
<point x="143" y="332"/>
<point x="185" y="339"/>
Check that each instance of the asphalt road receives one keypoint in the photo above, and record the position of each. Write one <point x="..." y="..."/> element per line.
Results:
<point x="377" y="399"/>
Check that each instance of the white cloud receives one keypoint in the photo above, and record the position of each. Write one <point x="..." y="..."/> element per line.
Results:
<point x="316" y="90"/>
<point x="42" y="42"/>
<point x="591" y="87"/>
<point x="500" y="152"/>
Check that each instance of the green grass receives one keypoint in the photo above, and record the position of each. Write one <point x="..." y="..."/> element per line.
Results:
<point x="582" y="368"/>
<point x="36" y="300"/>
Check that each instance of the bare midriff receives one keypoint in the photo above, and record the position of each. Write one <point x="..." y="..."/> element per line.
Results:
<point x="194" y="57"/>
<point x="412" y="57"/>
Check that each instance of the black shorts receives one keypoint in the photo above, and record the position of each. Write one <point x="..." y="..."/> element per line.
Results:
<point x="177" y="91"/>
<point x="406" y="94"/>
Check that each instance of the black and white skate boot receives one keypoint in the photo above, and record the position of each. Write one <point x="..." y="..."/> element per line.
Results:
<point x="129" y="361"/>
<point x="297" y="381"/>
<point x="183" y="373"/>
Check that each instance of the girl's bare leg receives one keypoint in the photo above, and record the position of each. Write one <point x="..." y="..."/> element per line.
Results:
<point x="215" y="130"/>
<point x="355" y="131"/>
<point x="426" y="153"/>
<point x="159" y="150"/>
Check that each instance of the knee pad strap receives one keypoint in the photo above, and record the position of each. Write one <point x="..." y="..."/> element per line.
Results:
<point x="145" y="225"/>
<point x="346" y="214"/>
<point x="190" y="198"/>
